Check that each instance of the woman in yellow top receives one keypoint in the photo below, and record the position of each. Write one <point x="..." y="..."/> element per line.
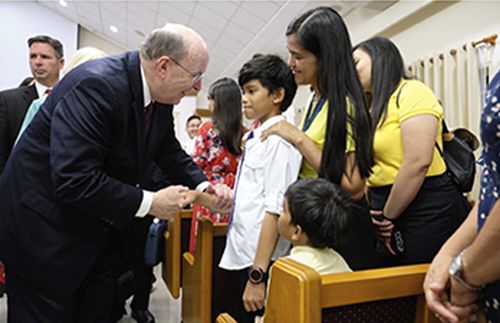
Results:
<point x="409" y="188"/>
<point x="335" y="136"/>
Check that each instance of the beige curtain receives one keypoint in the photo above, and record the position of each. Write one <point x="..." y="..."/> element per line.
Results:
<point x="455" y="79"/>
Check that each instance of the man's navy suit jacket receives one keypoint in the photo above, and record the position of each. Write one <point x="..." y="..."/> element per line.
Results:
<point x="78" y="168"/>
<point x="14" y="104"/>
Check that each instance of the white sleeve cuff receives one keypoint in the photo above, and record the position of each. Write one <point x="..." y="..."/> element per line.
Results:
<point x="145" y="207"/>
<point x="273" y="202"/>
<point x="202" y="186"/>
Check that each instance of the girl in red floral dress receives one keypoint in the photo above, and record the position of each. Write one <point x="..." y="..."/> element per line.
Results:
<point x="218" y="144"/>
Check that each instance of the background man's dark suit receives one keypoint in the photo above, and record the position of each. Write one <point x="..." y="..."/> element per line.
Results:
<point x="76" y="171"/>
<point x="14" y="104"/>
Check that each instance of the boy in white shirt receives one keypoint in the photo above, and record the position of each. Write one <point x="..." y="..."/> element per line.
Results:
<point x="315" y="219"/>
<point x="265" y="171"/>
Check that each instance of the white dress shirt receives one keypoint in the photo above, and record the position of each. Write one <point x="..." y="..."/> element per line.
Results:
<point x="40" y="89"/>
<point x="264" y="173"/>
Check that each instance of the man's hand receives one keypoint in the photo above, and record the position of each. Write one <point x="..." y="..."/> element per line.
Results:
<point x="224" y="196"/>
<point x="169" y="201"/>
<point x="254" y="296"/>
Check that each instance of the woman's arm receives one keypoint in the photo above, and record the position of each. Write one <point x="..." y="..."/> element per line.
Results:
<point x="419" y="137"/>
<point x="299" y="139"/>
<point x="481" y="262"/>
<point x="437" y="279"/>
<point x="351" y="180"/>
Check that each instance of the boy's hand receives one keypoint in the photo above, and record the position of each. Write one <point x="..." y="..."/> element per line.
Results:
<point x="254" y="296"/>
<point x="224" y="196"/>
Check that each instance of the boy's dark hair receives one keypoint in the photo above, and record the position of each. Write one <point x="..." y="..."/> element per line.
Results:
<point x="273" y="73"/>
<point x="58" y="47"/>
<point x="321" y="209"/>
<point x="192" y="117"/>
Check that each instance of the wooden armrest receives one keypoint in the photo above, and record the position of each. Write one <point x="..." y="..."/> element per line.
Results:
<point x="225" y="318"/>
<point x="189" y="258"/>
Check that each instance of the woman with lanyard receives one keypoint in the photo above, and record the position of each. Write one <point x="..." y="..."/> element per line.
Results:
<point x="334" y="137"/>
<point x="409" y="189"/>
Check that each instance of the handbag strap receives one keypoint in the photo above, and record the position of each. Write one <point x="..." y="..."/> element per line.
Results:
<point x="445" y="127"/>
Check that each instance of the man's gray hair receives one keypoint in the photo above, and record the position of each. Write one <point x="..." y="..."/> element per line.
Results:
<point x="164" y="42"/>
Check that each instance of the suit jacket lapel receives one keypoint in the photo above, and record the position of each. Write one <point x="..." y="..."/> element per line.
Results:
<point x="134" y="76"/>
<point x="161" y="120"/>
<point x="31" y="93"/>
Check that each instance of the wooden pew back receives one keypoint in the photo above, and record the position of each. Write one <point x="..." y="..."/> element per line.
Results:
<point x="199" y="271"/>
<point x="176" y="243"/>
<point x="299" y="294"/>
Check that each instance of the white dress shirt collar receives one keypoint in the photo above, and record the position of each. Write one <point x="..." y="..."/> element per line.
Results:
<point x="269" y="122"/>
<point x="40" y="89"/>
<point x="145" y="89"/>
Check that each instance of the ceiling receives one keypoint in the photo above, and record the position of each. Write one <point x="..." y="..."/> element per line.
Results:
<point x="234" y="30"/>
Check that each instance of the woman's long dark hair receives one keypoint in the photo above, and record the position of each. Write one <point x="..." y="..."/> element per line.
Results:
<point x="387" y="71"/>
<point x="226" y="116"/>
<point x="322" y="32"/>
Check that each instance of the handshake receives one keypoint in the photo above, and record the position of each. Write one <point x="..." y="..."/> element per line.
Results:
<point x="172" y="199"/>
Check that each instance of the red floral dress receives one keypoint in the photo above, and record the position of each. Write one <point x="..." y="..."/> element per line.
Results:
<point x="218" y="164"/>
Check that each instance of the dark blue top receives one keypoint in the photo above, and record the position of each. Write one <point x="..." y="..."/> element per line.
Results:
<point x="490" y="179"/>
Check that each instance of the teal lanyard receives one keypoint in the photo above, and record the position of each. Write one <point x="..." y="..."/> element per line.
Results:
<point x="311" y="115"/>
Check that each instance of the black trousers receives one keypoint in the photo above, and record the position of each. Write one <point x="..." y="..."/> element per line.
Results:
<point x="431" y="218"/>
<point x="133" y="277"/>
<point x="359" y="250"/>
<point x="90" y="303"/>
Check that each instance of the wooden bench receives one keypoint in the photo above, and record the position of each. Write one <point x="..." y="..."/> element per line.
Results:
<point x="176" y="243"/>
<point x="203" y="288"/>
<point x="297" y="293"/>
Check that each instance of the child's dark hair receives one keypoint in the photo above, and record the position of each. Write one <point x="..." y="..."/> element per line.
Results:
<point x="273" y="73"/>
<point x="227" y="113"/>
<point x="321" y="209"/>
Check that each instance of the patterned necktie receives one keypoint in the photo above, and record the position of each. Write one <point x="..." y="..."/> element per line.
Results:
<point x="148" y="114"/>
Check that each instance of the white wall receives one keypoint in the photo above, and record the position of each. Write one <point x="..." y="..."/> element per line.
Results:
<point x="20" y="21"/>
<point x="427" y="33"/>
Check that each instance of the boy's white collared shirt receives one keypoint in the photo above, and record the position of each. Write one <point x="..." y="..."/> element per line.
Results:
<point x="268" y="168"/>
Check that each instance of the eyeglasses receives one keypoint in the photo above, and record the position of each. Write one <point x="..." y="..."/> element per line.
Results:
<point x="196" y="77"/>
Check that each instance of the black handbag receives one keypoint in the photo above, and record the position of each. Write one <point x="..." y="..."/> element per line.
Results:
<point x="155" y="243"/>
<point x="459" y="158"/>
<point x="458" y="155"/>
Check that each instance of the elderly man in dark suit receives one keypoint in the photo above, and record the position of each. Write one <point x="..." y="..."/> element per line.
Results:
<point x="77" y="172"/>
<point x="46" y="61"/>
